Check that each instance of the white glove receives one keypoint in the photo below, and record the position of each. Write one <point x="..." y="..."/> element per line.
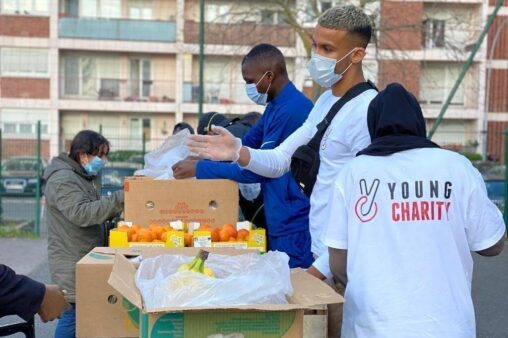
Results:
<point x="223" y="146"/>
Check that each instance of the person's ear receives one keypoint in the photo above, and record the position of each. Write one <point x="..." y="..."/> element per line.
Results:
<point x="358" y="55"/>
<point x="270" y="76"/>
<point x="83" y="158"/>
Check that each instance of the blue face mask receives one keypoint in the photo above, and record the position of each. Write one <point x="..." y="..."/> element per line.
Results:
<point x="94" y="166"/>
<point x="254" y="95"/>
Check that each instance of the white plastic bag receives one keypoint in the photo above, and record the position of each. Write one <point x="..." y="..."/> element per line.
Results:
<point x="158" y="163"/>
<point x="240" y="280"/>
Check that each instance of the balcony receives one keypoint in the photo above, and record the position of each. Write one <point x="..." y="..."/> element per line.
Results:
<point x="118" y="90"/>
<point x="216" y="93"/>
<point x="248" y="34"/>
<point x="117" y="29"/>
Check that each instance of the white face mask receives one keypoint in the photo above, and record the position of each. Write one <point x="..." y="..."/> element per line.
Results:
<point x="322" y="69"/>
<point x="254" y="95"/>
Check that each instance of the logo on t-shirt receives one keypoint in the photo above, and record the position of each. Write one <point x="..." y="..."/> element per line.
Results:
<point x="366" y="207"/>
<point x="420" y="200"/>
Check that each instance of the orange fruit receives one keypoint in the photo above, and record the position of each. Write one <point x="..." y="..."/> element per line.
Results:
<point x="157" y="231"/>
<point x="157" y="241"/>
<point x="167" y="227"/>
<point x="187" y="239"/>
<point x="145" y="235"/>
<point x="224" y="235"/>
<point x="204" y="228"/>
<point x="230" y="229"/>
<point x="136" y="227"/>
<point x="134" y="238"/>
<point x="123" y="228"/>
<point x="243" y="234"/>
<point x="152" y="226"/>
<point x="215" y="235"/>
<point x="232" y="239"/>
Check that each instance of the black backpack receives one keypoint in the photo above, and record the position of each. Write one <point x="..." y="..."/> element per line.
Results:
<point x="305" y="161"/>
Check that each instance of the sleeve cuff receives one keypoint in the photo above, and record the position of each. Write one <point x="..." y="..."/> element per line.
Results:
<point x="490" y="242"/>
<point x="336" y="244"/>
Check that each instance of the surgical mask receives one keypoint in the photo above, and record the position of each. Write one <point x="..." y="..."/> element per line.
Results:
<point x="254" y="95"/>
<point x="95" y="165"/>
<point x="322" y="69"/>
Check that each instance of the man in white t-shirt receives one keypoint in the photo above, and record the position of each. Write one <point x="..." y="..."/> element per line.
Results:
<point x="405" y="217"/>
<point x="339" y="45"/>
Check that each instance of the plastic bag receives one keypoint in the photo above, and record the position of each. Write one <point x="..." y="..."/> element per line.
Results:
<point x="158" y="163"/>
<point x="240" y="280"/>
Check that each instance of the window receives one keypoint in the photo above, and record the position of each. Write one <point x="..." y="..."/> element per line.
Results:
<point x="436" y="82"/>
<point x="272" y="17"/>
<point x="140" y="10"/>
<point x="218" y="13"/>
<point x="140" y="81"/>
<point x="433" y="33"/>
<point x="23" y="122"/>
<point x="24" y="62"/>
<point x="101" y="9"/>
<point x="26" y="7"/>
<point x="91" y="76"/>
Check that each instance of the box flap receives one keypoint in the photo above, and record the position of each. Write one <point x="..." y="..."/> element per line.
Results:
<point x="122" y="280"/>
<point x="310" y="291"/>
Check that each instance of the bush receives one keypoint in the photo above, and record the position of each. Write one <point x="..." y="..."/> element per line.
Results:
<point x="471" y="156"/>
<point x="123" y="155"/>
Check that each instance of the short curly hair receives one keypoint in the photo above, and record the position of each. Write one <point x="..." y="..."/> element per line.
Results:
<point x="351" y="19"/>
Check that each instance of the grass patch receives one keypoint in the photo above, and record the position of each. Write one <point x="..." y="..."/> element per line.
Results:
<point x="12" y="233"/>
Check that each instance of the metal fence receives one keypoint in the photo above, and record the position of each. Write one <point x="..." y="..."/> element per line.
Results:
<point x="21" y="166"/>
<point x="23" y="159"/>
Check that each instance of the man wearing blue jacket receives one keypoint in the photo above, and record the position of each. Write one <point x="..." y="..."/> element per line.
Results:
<point x="286" y="207"/>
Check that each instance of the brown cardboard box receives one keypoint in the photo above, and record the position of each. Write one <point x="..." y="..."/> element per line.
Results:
<point x="101" y="311"/>
<point x="275" y="320"/>
<point x="212" y="202"/>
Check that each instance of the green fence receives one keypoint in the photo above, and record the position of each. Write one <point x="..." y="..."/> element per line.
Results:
<point x="21" y="166"/>
<point x="23" y="159"/>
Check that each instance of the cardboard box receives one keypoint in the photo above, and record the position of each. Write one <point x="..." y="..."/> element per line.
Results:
<point x="212" y="202"/>
<point x="276" y="320"/>
<point x="101" y="311"/>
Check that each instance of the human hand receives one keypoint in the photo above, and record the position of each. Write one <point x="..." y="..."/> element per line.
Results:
<point x="53" y="304"/>
<point x="221" y="147"/>
<point x="184" y="169"/>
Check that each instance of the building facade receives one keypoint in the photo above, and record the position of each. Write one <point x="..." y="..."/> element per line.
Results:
<point x="130" y="67"/>
<point x="424" y="45"/>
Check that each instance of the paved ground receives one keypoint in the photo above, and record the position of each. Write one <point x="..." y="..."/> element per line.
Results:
<point x="490" y="284"/>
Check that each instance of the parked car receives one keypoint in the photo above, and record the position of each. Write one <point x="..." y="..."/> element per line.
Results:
<point x="19" y="176"/>
<point x="113" y="175"/>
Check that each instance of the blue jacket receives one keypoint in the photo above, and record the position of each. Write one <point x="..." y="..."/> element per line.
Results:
<point x="286" y="207"/>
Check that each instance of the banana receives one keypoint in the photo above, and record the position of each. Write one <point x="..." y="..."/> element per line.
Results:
<point x="197" y="264"/>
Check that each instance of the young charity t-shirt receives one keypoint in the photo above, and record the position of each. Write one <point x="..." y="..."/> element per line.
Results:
<point x="409" y="222"/>
<point x="347" y="134"/>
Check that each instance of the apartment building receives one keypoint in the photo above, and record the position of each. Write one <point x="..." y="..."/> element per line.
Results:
<point x="130" y="67"/>
<point x="125" y="67"/>
<point x="424" y="45"/>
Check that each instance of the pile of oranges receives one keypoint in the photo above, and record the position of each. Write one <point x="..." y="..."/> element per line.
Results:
<point x="159" y="233"/>
<point x="226" y="233"/>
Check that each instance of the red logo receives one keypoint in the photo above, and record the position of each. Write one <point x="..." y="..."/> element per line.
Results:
<point x="366" y="207"/>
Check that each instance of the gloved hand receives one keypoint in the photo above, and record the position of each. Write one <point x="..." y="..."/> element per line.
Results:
<point x="220" y="147"/>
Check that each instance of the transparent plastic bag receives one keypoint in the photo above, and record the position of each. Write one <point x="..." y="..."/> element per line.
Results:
<point x="158" y="163"/>
<point x="240" y="280"/>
